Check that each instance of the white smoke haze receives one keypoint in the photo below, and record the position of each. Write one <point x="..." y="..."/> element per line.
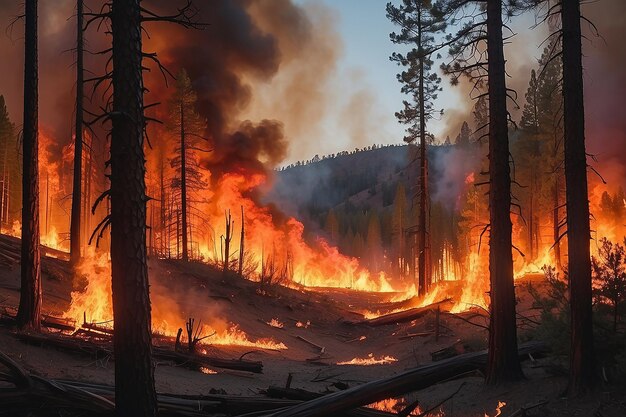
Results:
<point x="450" y="167"/>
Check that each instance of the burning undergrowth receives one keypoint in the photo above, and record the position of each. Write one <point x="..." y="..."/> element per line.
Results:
<point x="174" y="300"/>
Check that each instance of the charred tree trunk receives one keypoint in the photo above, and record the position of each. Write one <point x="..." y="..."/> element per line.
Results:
<point x="183" y="180"/>
<point x="577" y="203"/>
<point x="503" y="363"/>
<point x="423" y="264"/>
<point x="241" y="244"/>
<point x="78" y="141"/>
<point x="29" y="312"/>
<point x="228" y="237"/>
<point x="134" y="372"/>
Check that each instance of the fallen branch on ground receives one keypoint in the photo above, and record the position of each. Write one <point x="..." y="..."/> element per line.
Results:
<point x="408" y="381"/>
<point x="400" y="316"/>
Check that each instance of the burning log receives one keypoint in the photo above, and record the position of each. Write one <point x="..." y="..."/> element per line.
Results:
<point x="402" y="316"/>
<point x="97" y="328"/>
<point x="408" y="381"/>
<point x="10" y="248"/>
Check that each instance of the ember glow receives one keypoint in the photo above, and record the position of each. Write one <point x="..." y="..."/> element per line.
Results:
<point x="276" y="323"/>
<point x="499" y="408"/>
<point x="370" y="360"/>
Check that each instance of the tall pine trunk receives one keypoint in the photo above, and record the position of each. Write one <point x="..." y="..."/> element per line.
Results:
<point x="577" y="203"/>
<point x="134" y="372"/>
<point x="75" y="244"/>
<point x="503" y="363"/>
<point x="183" y="180"/>
<point x="29" y="312"/>
<point x="423" y="247"/>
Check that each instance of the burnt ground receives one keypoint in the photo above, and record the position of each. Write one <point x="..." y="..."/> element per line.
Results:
<point x="197" y="288"/>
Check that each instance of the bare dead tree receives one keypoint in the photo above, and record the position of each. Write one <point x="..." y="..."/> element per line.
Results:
<point x="228" y="237"/>
<point x="29" y="312"/>
<point x="241" y="244"/>
<point x="75" y="219"/>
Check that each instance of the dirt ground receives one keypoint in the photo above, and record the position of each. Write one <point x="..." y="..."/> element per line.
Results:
<point x="325" y="314"/>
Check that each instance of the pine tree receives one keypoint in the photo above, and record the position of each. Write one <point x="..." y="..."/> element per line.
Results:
<point x="530" y="114"/>
<point x="29" y="311"/>
<point x="75" y="218"/>
<point x="187" y="123"/>
<point x="463" y="139"/>
<point x="486" y="23"/>
<point x="374" y="242"/>
<point x="577" y="203"/>
<point x="419" y="22"/>
<point x="135" y="393"/>
<point x="399" y="223"/>
<point x="10" y="173"/>
<point x="331" y="226"/>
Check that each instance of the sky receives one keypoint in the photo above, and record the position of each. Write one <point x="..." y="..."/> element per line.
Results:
<point x="357" y="94"/>
<point x="364" y="65"/>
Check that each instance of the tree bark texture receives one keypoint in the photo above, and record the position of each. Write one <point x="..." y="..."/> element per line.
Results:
<point x="134" y="371"/>
<point x="29" y="311"/>
<point x="577" y="203"/>
<point x="503" y="363"/>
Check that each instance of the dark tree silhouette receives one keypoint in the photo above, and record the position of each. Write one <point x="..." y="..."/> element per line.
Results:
<point x="187" y="123"/>
<point x="75" y="219"/>
<point x="134" y="372"/>
<point x="29" y="312"/>
<point x="132" y="341"/>
<point x="471" y="58"/>
<point x="577" y="203"/>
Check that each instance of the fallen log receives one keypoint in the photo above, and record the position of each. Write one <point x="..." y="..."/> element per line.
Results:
<point x="402" y="316"/>
<point x="408" y="381"/>
<point x="105" y="348"/>
<point x="97" y="328"/>
<point x="291" y="393"/>
<point x="7" y="317"/>
<point x="197" y="361"/>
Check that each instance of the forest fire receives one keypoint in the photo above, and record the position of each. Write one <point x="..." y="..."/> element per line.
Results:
<point x="215" y="212"/>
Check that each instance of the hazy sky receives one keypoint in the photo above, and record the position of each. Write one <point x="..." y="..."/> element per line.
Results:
<point x="364" y="65"/>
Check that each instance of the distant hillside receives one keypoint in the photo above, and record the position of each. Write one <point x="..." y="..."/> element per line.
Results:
<point x="308" y="190"/>
<point x="364" y="201"/>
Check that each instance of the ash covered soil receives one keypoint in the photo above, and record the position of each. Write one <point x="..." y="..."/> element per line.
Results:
<point x="312" y="320"/>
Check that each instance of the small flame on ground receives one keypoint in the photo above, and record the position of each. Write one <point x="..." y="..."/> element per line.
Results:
<point x="370" y="360"/>
<point x="501" y="405"/>
<point x="276" y="323"/>
<point x="208" y="371"/>
<point x="303" y="325"/>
